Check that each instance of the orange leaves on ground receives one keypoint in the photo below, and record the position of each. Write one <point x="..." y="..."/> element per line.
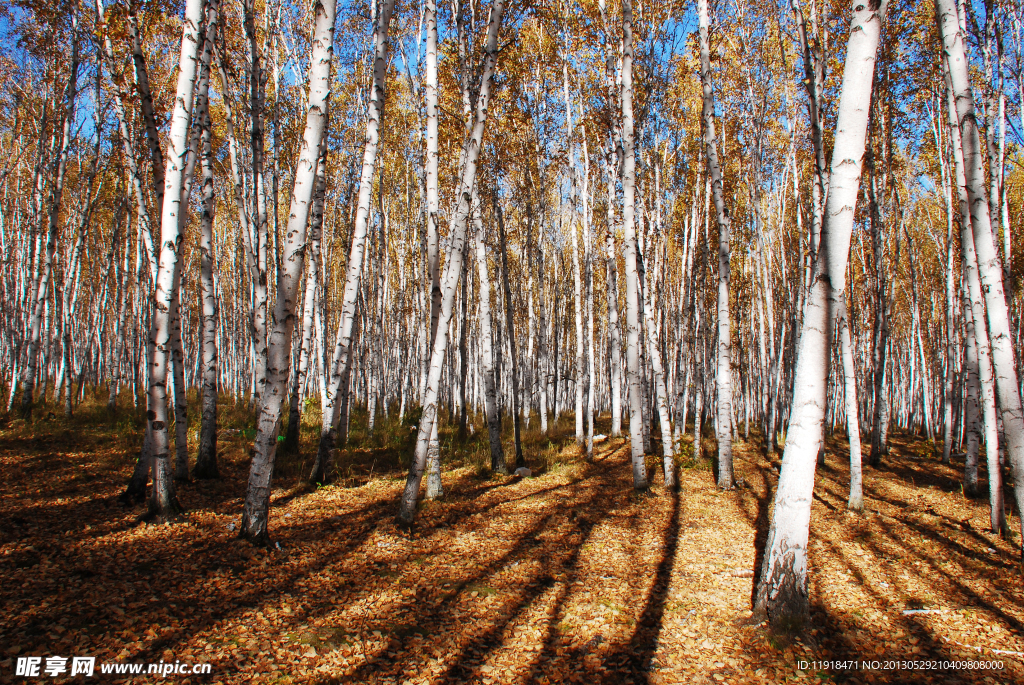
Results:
<point x="567" y="577"/>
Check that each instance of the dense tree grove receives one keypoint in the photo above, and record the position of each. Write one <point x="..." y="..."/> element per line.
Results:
<point x="715" y="219"/>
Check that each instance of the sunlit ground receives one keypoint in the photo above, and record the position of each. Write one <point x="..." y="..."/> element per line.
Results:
<point x="563" y="577"/>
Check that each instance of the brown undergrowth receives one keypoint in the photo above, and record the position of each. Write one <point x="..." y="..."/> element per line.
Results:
<point x="564" y="577"/>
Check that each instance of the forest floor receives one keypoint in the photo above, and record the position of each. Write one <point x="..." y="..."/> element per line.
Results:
<point x="564" y="577"/>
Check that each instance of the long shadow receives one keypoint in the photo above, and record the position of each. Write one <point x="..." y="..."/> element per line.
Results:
<point x="945" y="541"/>
<point x="760" y="521"/>
<point x="848" y="648"/>
<point x="215" y="557"/>
<point x="464" y="657"/>
<point x="638" y="657"/>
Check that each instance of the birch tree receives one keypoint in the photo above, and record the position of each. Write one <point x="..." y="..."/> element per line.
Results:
<point x="636" y="418"/>
<point x="255" y="513"/>
<point x="989" y="268"/>
<point x="333" y="395"/>
<point x="781" y="593"/>
<point x="724" y="346"/>
<point x="163" y="502"/>
<point x="453" y="266"/>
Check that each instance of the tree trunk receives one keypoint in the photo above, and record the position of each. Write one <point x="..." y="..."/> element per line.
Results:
<point x="163" y="501"/>
<point x="612" y="295"/>
<point x="257" y="95"/>
<point x="435" y="487"/>
<point x="977" y="298"/>
<point x="291" y="441"/>
<point x="452" y="269"/>
<point x="654" y="347"/>
<point x="636" y="418"/>
<point x="344" y="339"/>
<point x="486" y="338"/>
<point x="510" y="325"/>
<point x="856" y="500"/>
<point x="724" y="347"/>
<point x="206" y="456"/>
<point x="257" y="502"/>
<point x="972" y="412"/>
<point x="781" y="594"/>
<point x="988" y="258"/>
<point x="463" y="351"/>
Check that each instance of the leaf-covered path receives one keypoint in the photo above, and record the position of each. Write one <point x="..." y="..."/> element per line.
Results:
<point x="564" y="577"/>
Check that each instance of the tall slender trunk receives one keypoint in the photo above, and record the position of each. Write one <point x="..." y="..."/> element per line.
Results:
<point x="724" y="347"/>
<point x="199" y="123"/>
<point x="654" y="348"/>
<point x="510" y="326"/>
<point x="880" y="358"/>
<point x="434" y="485"/>
<point x="453" y="268"/>
<point x="163" y="499"/>
<point x="344" y="339"/>
<point x="255" y="513"/>
<point x="614" y="337"/>
<point x="486" y="338"/>
<point x="588" y="289"/>
<point x="257" y="97"/>
<point x="316" y="221"/>
<point x="636" y="418"/>
<point x="979" y="324"/>
<point x="972" y="412"/>
<point x="781" y="593"/>
<point x="206" y="455"/>
<point x="575" y="217"/>
<point x="856" y="499"/>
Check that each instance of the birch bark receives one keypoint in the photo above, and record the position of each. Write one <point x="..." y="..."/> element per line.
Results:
<point x="206" y="456"/>
<point x="612" y="295"/>
<point x="972" y="411"/>
<point x="636" y="418"/>
<point x="781" y="593"/>
<point x="344" y="338"/>
<point x="163" y="501"/>
<point x="453" y="267"/>
<point x="510" y="326"/>
<point x="257" y="96"/>
<point x="435" y="487"/>
<point x="724" y="346"/>
<point x="255" y="513"/>
<point x="654" y="347"/>
<point x="978" y="324"/>
<point x="856" y="499"/>
<point x="486" y="338"/>
<point x="291" y="441"/>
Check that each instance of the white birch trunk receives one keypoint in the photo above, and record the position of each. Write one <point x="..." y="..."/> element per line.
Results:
<point x="163" y="501"/>
<point x="257" y="502"/>
<point x="989" y="270"/>
<point x="206" y="455"/>
<point x="977" y="330"/>
<point x="781" y="594"/>
<point x="636" y="418"/>
<point x="724" y="347"/>
<point x="856" y="499"/>
<point x="486" y="338"/>
<point x="452" y="269"/>
<point x="343" y="343"/>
